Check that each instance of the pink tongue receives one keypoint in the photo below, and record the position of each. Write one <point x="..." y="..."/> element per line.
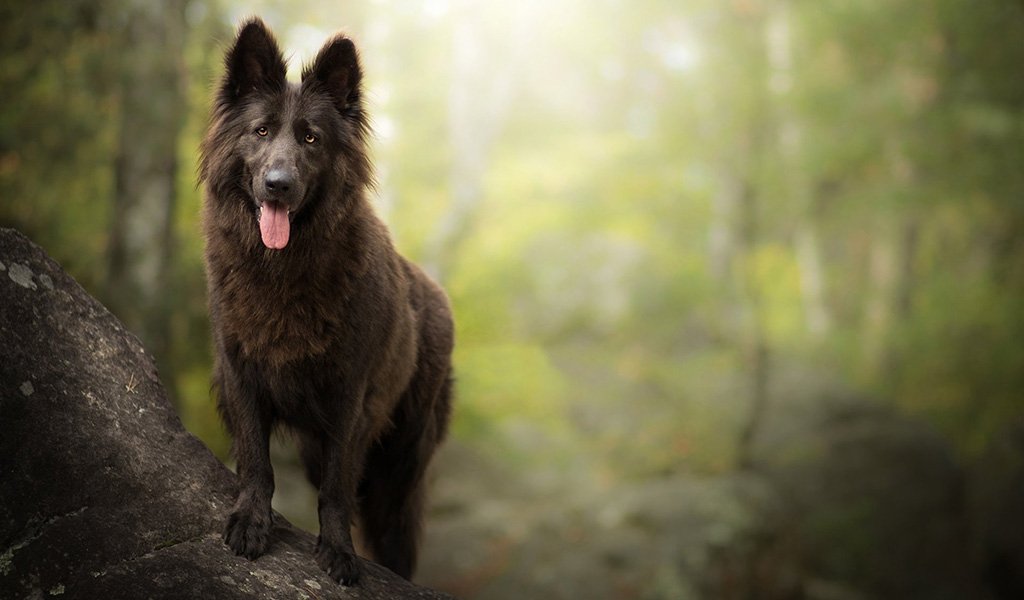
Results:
<point x="274" y="225"/>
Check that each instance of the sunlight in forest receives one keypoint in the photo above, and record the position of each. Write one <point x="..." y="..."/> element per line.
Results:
<point x="733" y="281"/>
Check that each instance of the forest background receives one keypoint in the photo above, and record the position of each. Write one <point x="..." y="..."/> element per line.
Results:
<point x="739" y="285"/>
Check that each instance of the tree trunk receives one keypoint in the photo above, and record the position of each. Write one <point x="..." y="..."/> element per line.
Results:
<point x="890" y="271"/>
<point x="152" y="114"/>
<point x="795" y="182"/>
<point x="754" y="341"/>
<point x="722" y="235"/>
<point x="817" y="317"/>
<point x="479" y="99"/>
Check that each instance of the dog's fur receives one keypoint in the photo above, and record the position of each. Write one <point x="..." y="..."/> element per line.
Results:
<point x="334" y="334"/>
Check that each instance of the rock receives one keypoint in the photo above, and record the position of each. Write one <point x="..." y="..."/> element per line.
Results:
<point x="104" y="494"/>
<point x="996" y="505"/>
<point x="878" y="497"/>
<point x="678" y="536"/>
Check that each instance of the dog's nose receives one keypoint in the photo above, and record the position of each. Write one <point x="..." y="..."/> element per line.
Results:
<point x="278" y="181"/>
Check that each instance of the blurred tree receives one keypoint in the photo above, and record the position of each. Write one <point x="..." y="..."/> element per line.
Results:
<point x="479" y="99"/>
<point x="57" y="73"/>
<point x="152" y="115"/>
<point x="795" y="183"/>
<point x="915" y="136"/>
<point x="659" y="222"/>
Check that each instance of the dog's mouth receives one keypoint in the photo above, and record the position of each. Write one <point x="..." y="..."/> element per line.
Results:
<point x="275" y="224"/>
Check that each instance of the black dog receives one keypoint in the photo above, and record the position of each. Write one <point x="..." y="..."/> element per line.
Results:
<point x="318" y="323"/>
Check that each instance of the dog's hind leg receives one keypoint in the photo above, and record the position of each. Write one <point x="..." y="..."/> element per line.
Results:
<point x="312" y="456"/>
<point x="392" y="489"/>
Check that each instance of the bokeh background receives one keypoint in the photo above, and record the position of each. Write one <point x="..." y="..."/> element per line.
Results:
<point x="739" y="284"/>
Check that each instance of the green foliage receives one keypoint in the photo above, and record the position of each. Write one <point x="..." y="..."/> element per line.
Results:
<point x="641" y="184"/>
<point x="54" y="128"/>
<point x="663" y="226"/>
<point x="511" y="389"/>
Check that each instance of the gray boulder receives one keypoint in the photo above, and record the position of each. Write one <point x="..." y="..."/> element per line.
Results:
<point x="103" y="493"/>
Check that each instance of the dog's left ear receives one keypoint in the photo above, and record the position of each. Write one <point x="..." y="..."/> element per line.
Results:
<point x="336" y="68"/>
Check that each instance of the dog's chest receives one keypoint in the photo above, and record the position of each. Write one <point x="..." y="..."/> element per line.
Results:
<point x="277" y="322"/>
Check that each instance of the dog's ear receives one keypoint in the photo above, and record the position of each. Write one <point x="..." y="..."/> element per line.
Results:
<point x="336" y="69"/>
<point x="254" y="63"/>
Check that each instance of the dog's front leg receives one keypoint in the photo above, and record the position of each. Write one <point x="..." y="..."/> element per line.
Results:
<point x="248" y="528"/>
<point x="343" y="456"/>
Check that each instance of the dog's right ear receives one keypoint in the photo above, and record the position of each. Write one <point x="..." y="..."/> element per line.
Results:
<point x="254" y="63"/>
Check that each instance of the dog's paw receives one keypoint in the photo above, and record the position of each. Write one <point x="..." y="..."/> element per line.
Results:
<point x="246" y="534"/>
<point x="341" y="565"/>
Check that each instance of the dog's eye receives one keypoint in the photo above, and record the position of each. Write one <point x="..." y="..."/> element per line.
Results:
<point x="310" y="138"/>
<point x="262" y="131"/>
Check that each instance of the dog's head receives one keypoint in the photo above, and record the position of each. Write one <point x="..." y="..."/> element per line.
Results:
<point x="281" y="147"/>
